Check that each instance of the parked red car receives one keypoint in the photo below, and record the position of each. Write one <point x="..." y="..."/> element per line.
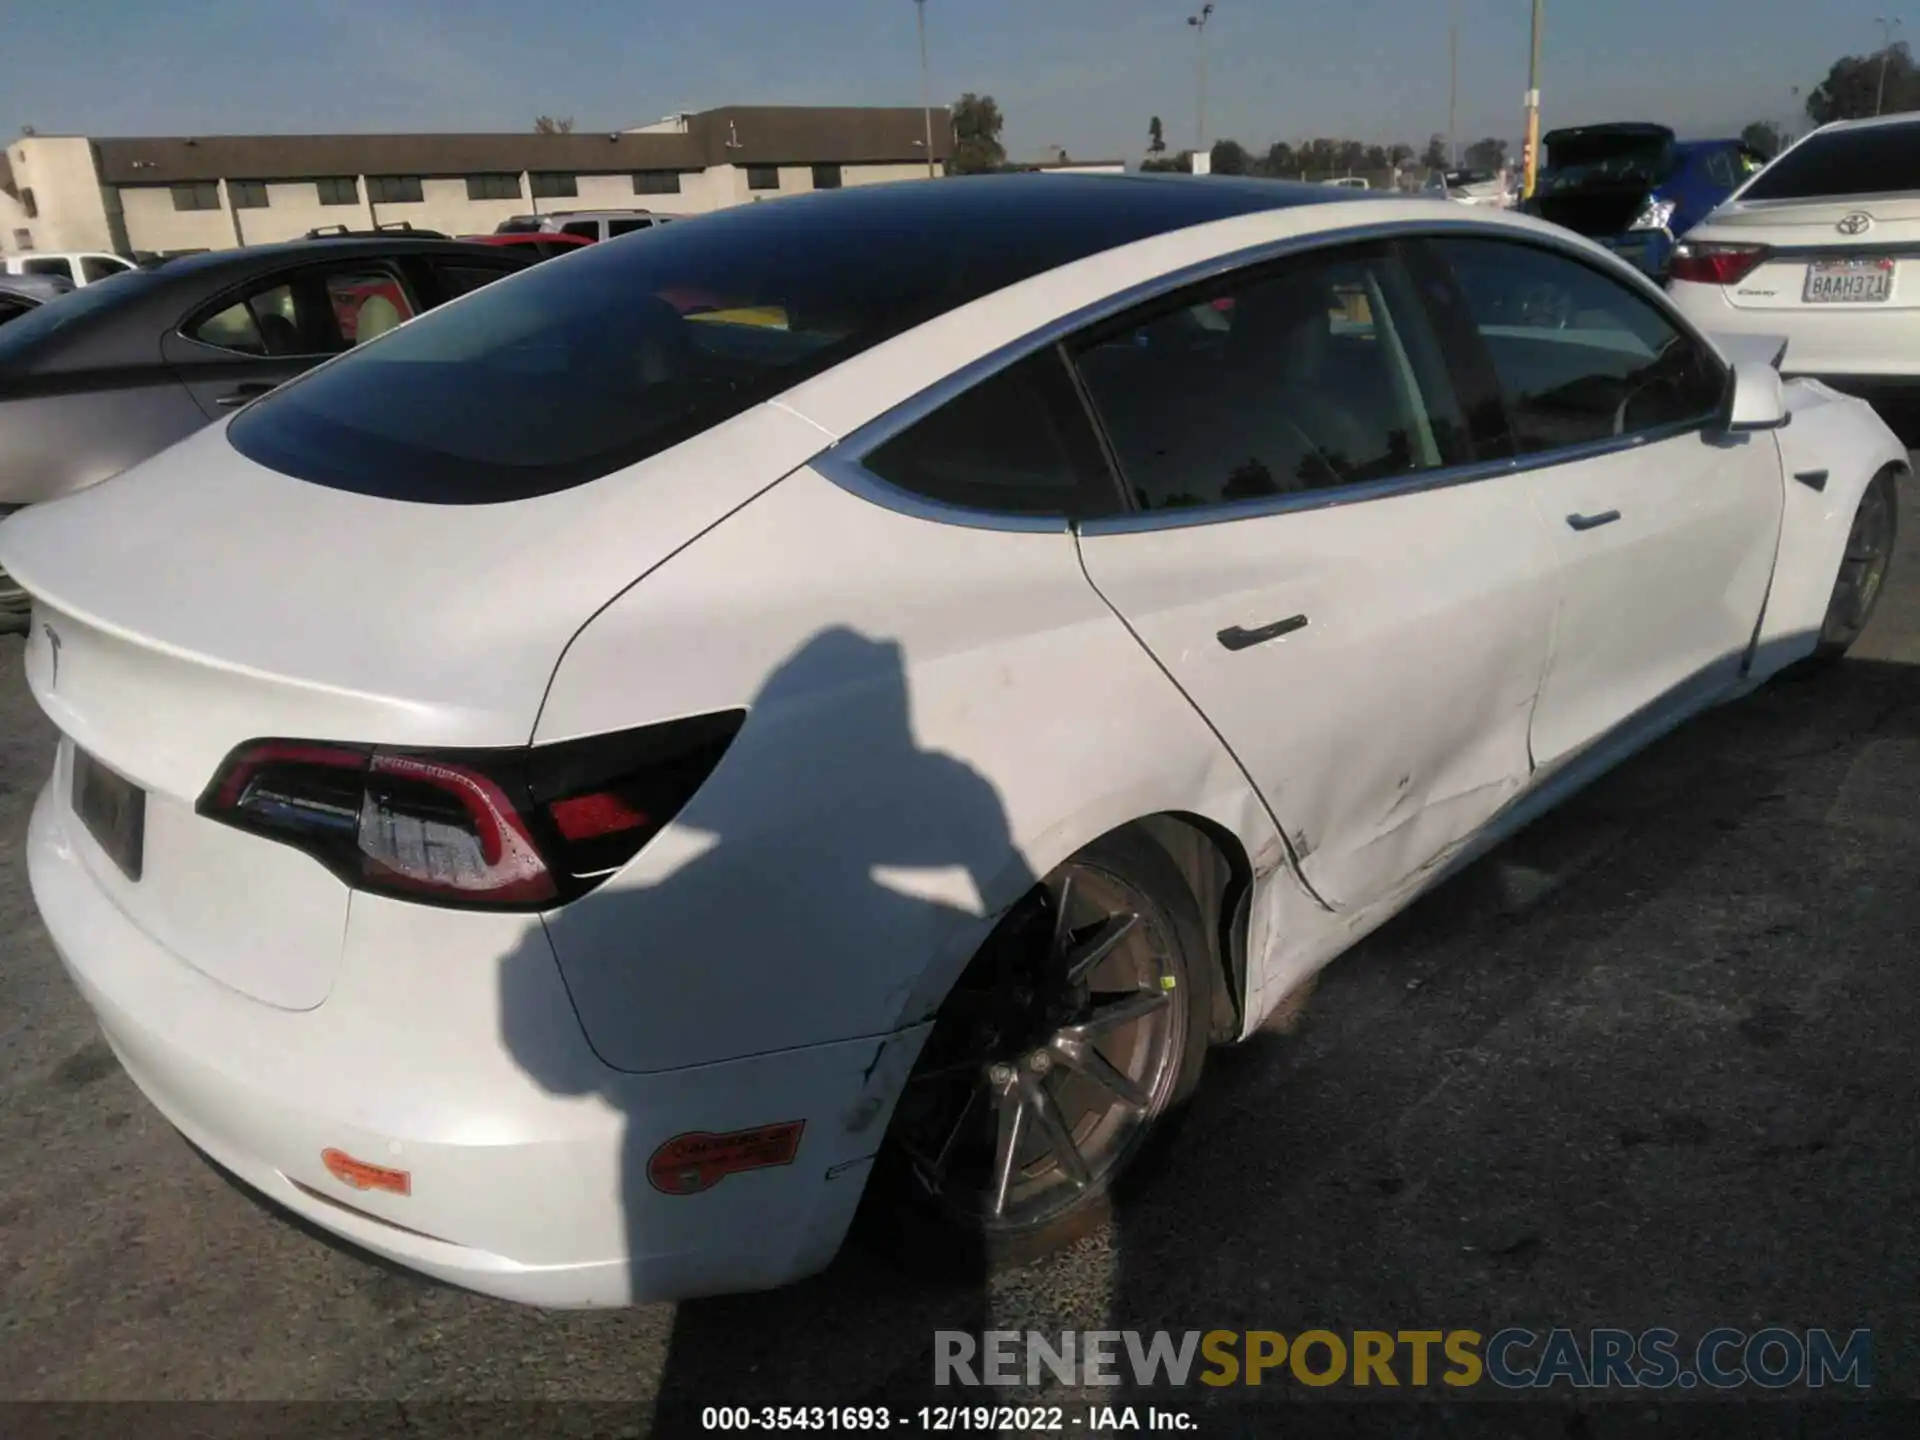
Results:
<point x="543" y="245"/>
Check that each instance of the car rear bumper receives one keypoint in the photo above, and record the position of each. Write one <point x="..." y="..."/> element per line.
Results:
<point x="529" y="1171"/>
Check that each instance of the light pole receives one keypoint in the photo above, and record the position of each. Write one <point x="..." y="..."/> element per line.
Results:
<point x="1199" y="24"/>
<point x="926" y="94"/>
<point x="1453" y="85"/>
<point x="1533" y="105"/>
<point x="1887" y="27"/>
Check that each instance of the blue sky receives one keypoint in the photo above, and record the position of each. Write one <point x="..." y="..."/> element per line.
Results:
<point x="1083" y="74"/>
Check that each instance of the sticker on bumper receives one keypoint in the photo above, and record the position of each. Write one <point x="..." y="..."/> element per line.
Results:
<point x="688" y="1164"/>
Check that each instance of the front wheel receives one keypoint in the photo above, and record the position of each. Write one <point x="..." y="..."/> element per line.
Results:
<point x="1863" y="568"/>
<point x="1059" y="1058"/>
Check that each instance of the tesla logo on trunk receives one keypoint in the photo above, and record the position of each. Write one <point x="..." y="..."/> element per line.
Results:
<point x="53" y="655"/>
<point x="1855" y="224"/>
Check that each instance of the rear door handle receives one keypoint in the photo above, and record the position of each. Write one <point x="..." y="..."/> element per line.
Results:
<point x="1236" y="638"/>
<point x="1593" y="522"/>
<point x="241" y="394"/>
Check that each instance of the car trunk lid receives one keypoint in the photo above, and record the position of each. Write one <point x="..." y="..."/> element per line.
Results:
<point x="1827" y="254"/>
<point x="1598" y="178"/>
<point x="201" y="600"/>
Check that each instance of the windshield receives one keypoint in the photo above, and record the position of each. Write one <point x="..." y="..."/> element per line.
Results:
<point x="565" y="372"/>
<point x="22" y="336"/>
<point x="1877" y="160"/>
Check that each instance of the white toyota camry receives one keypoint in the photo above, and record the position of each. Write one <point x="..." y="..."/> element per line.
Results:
<point x="860" y="693"/>
<point x="1820" y="248"/>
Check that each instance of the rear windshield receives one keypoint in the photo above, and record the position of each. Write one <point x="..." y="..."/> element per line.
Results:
<point x="1879" y="160"/>
<point x="1596" y="164"/>
<point x="568" y="371"/>
<point x="24" y="335"/>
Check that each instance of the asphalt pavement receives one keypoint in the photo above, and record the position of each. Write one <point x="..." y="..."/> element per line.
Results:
<point x="1652" y="1063"/>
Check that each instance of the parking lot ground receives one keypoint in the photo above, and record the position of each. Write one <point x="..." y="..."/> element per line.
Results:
<point x="1652" y="1063"/>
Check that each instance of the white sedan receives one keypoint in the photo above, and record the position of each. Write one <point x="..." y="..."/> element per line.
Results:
<point x="1819" y="248"/>
<point x="861" y="693"/>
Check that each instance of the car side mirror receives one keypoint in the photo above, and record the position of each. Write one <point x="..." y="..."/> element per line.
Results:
<point x="1759" y="398"/>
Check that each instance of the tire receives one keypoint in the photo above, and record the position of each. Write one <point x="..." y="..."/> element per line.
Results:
<point x="1096" y="1096"/>
<point x="1862" y="576"/>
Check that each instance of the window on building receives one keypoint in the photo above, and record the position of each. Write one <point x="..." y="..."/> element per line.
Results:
<point x="29" y="204"/>
<point x="394" y="189"/>
<point x="826" y="177"/>
<point x="247" y="194"/>
<point x="493" y="187"/>
<point x="551" y="185"/>
<point x="338" y="190"/>
<point x="1316" y="374"/>
<point x="763" y="177"/>
<point x="197" y="195"/>
<point x="1580" y="356"/>
<point x="657" y="182"/>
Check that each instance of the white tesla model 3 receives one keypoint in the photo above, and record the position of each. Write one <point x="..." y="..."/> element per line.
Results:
<point x="862" y="692"/>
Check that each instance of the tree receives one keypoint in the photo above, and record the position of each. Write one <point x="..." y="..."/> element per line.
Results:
<point x="1279" y="160"/>
<point x="1377" y="157"/>
<point x="977" y="123"/>
<point x="1852" y="86"/>
<point x="1156" y="137"/>
<point x="1398" y="155"/>
<point x="1764" y="136"/>
<point x="1487" y="154"/>
<point x="1436" y="156"/>
<point x="1230" y="158"/>
<point x="547" y="125"/>
<point x="1181" y="164"/>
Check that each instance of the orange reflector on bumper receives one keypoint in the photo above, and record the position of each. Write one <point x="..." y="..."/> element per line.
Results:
<point x="699" y="1160"/>
<point x="362" y="1176"/>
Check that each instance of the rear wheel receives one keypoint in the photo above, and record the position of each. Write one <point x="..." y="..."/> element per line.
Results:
<point x="1863" y="568"/>
<point x="1058" y="1059"/>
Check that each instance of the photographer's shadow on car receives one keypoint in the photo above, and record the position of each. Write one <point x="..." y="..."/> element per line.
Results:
<point x="745" y="1007"/>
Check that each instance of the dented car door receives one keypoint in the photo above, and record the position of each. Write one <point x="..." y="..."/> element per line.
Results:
<point x="1357" y="601"/>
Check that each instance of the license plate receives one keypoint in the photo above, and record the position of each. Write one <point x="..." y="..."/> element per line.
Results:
<point x="1845" y="282"/>
<point x="113" y="809"/>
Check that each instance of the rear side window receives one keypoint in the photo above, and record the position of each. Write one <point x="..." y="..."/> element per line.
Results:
<point x="313" y="312"/>
<point x="1879" y="160"/>
<point x="1581" y="358"/>
<point x="1018" y="443"/>
<point x="51" y="266"/>
<point x="98" y="267"/>
<point x="586" y="229"/>
<point x="1321" y="373"/>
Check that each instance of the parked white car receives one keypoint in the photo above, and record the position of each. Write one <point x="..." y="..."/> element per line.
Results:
<point x="81" y="267"/>
<point x="1820" y="247"/>
<point x="572" y="795"/>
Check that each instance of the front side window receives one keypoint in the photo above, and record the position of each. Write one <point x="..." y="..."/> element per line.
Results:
<point x="199" y="195"/>
<point x="247" y="194"/>
<point x="99" y="267"/>
<point x="1018" y="443"/>
<point x="1580" y="357"/>
<point x="763" y="177"/>
<point x="1879" y="160"/>
<point x="617" y="228"/>
<point x="550" y="185"/>
<point x="338" y="190"/>
<point x="318" y="311"/>
<point x="585" y="229"/>
<point x="1319" y="373"/>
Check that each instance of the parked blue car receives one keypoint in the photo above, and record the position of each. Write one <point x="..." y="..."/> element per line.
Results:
<point x="1635" y="188"/>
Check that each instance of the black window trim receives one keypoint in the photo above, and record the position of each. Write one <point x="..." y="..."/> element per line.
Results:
<point x="842" y="462"/>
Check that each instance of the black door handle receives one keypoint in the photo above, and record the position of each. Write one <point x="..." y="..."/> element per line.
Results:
<point x="1236" y="638"/>
<point x="1593" y="522"/>
<point x="241" y="394"/>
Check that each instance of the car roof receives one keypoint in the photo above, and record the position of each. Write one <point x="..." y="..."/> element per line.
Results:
<point x="1871" y="122"/>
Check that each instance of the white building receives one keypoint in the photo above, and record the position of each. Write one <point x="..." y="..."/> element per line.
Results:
<point x="168" y="194"/>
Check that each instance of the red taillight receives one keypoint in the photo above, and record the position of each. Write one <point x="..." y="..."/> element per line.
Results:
<point x="503" y="829"/>
<point x="1706" y="263"/>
